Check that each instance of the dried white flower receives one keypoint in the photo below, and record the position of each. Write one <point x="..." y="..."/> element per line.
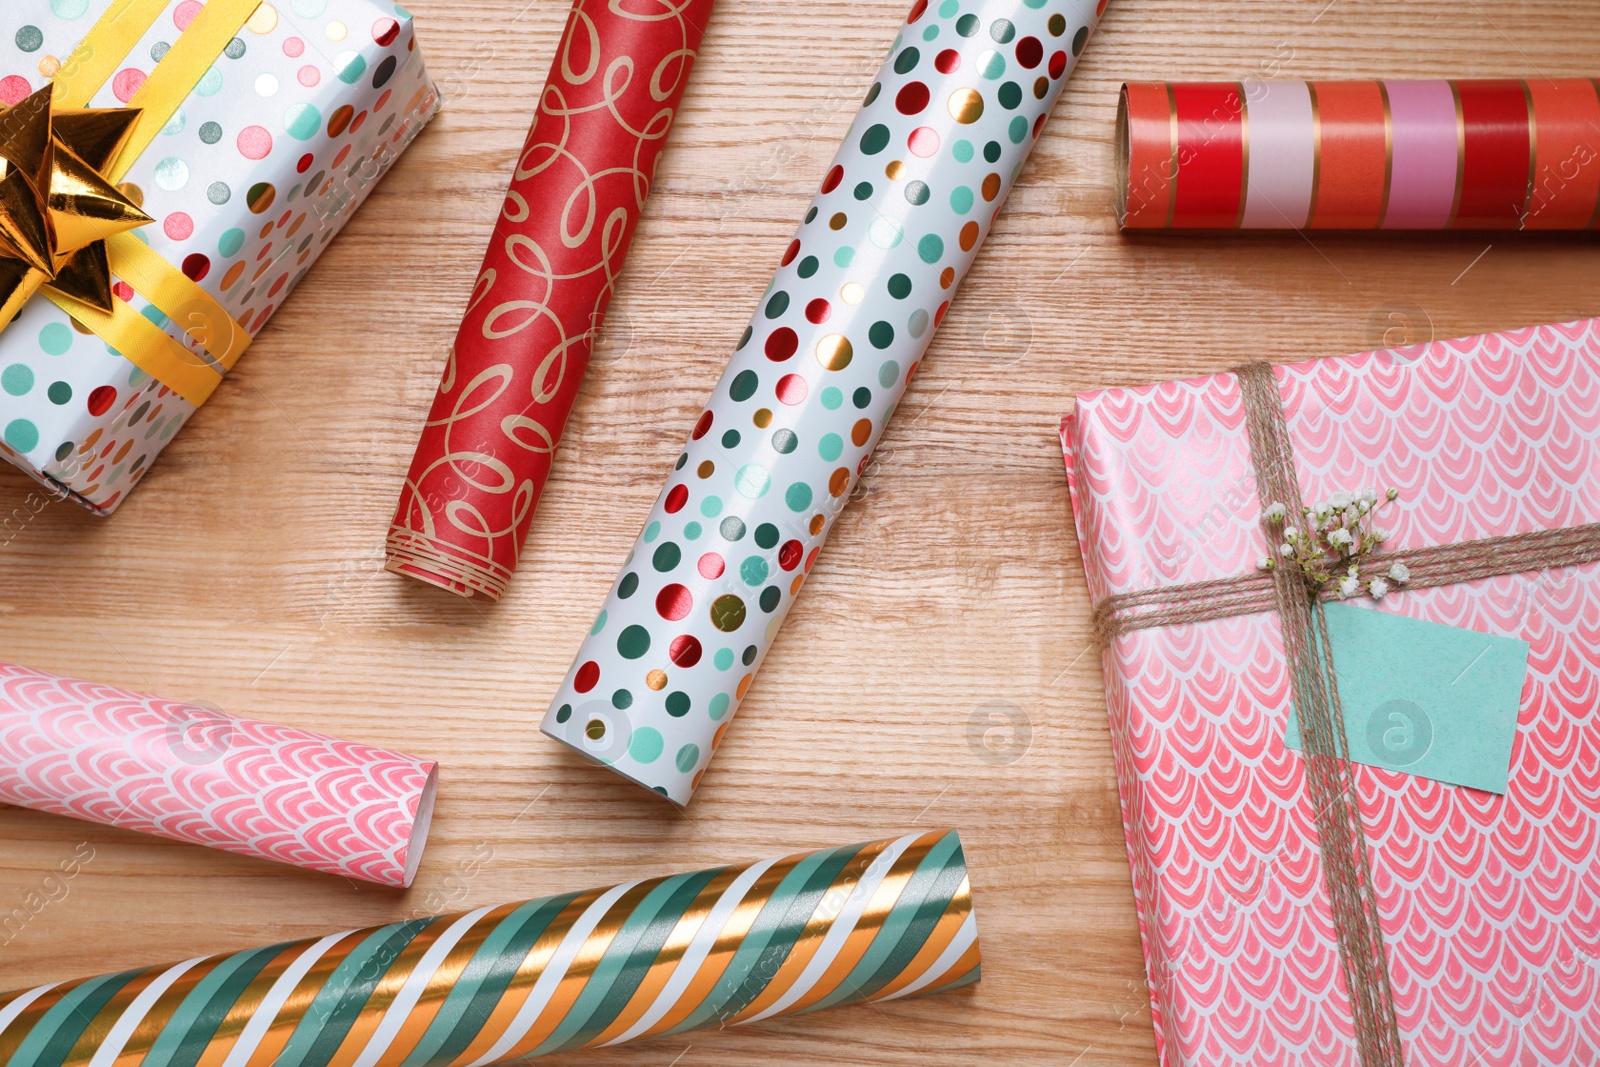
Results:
<point x="1264" y="563"/>
<point x="1337" y="540"/>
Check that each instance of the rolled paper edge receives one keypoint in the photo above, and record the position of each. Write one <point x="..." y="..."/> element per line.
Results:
<point x="443" y="566"/>
<point x="421" y="823"/>
<point x="545" y="727"/>
<point x="1121" y="147"/>
<point x="1145" y="156"/>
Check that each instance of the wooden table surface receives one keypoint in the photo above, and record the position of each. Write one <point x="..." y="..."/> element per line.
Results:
<point x="246" y="572"/>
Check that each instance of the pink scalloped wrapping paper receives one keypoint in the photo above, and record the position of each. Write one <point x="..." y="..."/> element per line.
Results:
<point x="105" y="755"/>
<point x="1490" y="905"/>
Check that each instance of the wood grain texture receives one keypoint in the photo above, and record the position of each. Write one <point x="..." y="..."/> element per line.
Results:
<point x="247" y="570"/>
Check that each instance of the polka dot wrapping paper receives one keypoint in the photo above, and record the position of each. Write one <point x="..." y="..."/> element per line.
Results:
<point x="195" y="774"/>
<point x="553" y="261"/>
<point x="1360" y="155"/>
<point x="922" y="174"/>
<point x="723" y="947"/>
<point x="283" y="136"/>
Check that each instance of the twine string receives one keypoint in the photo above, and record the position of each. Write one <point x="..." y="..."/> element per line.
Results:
<point x="1346" y="870"/>
<point x="1431" y="568"/>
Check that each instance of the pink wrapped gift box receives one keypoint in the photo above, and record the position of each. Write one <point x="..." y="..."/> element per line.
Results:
<point x="1490" y="905"/>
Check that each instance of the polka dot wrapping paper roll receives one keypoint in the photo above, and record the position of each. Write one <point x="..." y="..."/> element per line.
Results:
<point x="922" y="174"/>
<point x="715" y="948"/>
<point x="557" y="250"/>
<point x="1369" y="155"/>
<point x="292" y="123"/>
<point x="195" y="774"/>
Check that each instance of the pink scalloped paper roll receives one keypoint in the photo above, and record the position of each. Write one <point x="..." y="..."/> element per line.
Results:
<point x="105" y="755"/>
<point x="1490" y="905"/>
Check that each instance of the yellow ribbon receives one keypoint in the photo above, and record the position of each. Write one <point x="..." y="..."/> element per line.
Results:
<point x="146" y="345"/>
<point x="189" y="374"/>
<point x="92" y="63"/>
<point x="179" y="298"/>
<point x="180" y="70"/>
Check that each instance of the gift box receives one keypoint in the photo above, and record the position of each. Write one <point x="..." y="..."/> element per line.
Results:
<point x="1488" y="903"/>
<point x="272" y="122"/>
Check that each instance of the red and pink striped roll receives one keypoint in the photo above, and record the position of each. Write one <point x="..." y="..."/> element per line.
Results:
<point x="1373" y="155"/>
<point x="105" y="755"/>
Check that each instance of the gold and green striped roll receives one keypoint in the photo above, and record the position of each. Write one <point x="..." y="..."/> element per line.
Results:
<point x="715" y="948"/>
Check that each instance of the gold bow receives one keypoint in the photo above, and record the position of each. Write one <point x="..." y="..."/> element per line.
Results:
<point x="57" y="206"/>
<point x="65" y="225"/>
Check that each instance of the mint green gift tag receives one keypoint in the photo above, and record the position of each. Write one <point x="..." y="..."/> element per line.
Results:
<point x="1431" y="700"/>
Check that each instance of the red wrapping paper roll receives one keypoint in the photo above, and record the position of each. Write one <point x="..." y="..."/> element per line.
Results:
<point x="1391" y="155"/>
<point x="541" y="294"/>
